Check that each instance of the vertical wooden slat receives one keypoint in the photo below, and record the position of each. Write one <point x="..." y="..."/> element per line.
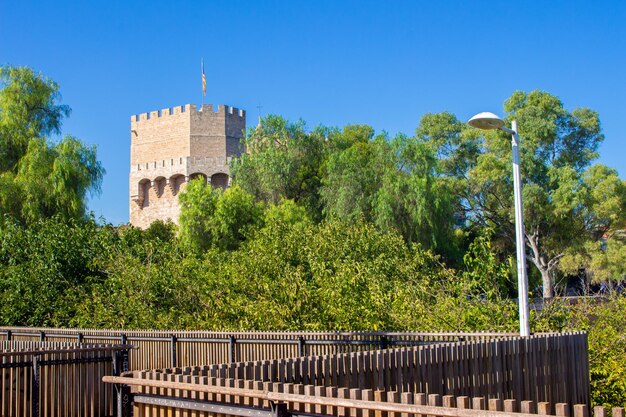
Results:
<point x="562" y="409"/>
<point x="355" y="394"/>
<point x="543" y="408"/>
<point x="463" y="402"/>
<point x="599" y="411"/>
<point x="528" y="407"/>
<point x="510" y="406"/>
<point x="380" y="396"/>
<point x="581" y="410"/>
<point x="478" y="403"/>
<point x="367" y="395"/>
<point x="448" y="401"/>
<point x="495" y="404"/>
<point x="406" y="398"/>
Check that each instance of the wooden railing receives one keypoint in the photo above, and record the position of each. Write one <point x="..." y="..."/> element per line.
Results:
<point x="203" y="396"/>
<point x="162" y="349"/>
<point x="58" y="379"/>
<point x="548" y="367"/>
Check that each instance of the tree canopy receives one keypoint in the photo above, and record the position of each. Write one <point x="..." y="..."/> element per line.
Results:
<point x="40" y="177"/>
<point x="443" y="185"/>
<point x="569" y="203"/>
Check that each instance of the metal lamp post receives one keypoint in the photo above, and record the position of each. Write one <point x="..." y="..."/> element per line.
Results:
<point x="489" y="121"/>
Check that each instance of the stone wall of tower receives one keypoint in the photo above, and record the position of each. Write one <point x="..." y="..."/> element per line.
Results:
<point x="171" y="146"/>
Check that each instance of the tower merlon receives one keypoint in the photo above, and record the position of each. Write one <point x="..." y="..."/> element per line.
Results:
<point x="176" y="110"/>
<point x="169" y="111"/>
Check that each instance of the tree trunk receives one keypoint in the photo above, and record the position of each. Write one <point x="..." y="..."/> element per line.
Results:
<point x="545" y="267"/>
<point x="548" y="291"/>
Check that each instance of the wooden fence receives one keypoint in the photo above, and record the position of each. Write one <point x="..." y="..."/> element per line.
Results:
<point x="58" y="379"/>
<point x="543" y="368"/>
<point x="162" y="349"/>
<point x="189" y="395"/>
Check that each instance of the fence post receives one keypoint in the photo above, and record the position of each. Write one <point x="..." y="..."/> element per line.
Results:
<point x="231" y="349"/>
<point x="173" y="350"/>
<point x="35" y="387"/>
<point x="122" y="399"/>
<point x="383" y="342"/>
<point x="301" y="343"/>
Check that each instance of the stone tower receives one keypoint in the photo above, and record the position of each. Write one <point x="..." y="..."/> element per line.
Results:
<point x="171" y="146"/>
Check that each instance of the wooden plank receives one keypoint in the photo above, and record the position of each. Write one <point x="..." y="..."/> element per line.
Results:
<point x="599" y="411"/>
<point x="562" y="409"/>
<point x="355" y="394"/>
<point x="527" y="407"/>
<point x="581" y="410"/>
<point x="367" y="395"/>
<point x="405" y="398"/>
<point x="496" y="404"/>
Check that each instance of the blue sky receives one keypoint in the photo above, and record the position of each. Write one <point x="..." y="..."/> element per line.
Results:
<point x="328" y="62"/>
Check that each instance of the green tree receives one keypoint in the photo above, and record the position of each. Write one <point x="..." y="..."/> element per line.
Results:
<point x="393" y="184"/>
<point x="39" y="178"/>
<point x="352" y="173"/>
<point x="602" y="250"/>
<point x="28" y="109"/>
<point x="45" y="266"/>
<point x="282" y="162"/>
<point x="563" y="207"/>
<point x="211" y="217"/>
<point x="560" y="210"/>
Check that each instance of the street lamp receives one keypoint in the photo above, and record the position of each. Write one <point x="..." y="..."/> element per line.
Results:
<point x="489" y="121"/>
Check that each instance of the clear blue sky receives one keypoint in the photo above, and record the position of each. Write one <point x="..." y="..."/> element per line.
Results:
<point x="327" y="62"/>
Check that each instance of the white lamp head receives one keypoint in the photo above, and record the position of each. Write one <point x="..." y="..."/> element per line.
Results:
<point x="486" y="121"/>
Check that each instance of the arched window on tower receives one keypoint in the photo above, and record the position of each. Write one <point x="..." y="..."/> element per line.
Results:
<point x="176" y="182"/>
<point x="219" y="180"/>
<point x="159" y="183"/>
<point x="144" y="193"/>
<point x="198" y="175"/>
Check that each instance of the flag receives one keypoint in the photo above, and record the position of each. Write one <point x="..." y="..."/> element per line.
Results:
<point x="203" y="79"/>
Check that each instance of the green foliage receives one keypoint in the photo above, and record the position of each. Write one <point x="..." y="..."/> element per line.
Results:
<point x="568" y="204"/>
<point x="161" y="231"/>
<point x="283" y="161"/>
<point x="38" y="178"/>
<point x="197" y="204"/>
<point x="28" y="110"/>
<point x="351" y="175"/>
<point x="603" y="250"/>
<point x="214" y="218"/>
<point x="392" y="184"/>
<point x="43" y="268"/>
<point x="605" y="322"/>
<point x="290" y="274"/>
<point x="483" y="272"/>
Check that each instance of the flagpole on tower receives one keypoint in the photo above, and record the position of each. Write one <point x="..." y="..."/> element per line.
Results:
<point x="203" y="81"/>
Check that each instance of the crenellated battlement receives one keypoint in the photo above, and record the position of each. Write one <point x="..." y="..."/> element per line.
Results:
<point x="180" y="164"/>
<point x="206" y="109"/>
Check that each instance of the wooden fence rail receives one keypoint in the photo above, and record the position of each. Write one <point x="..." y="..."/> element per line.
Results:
<point x="197" y="396"/>
<point x="549" y="368"/>
<point x="173" y="348"/>
<point x="58" y="379"/>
